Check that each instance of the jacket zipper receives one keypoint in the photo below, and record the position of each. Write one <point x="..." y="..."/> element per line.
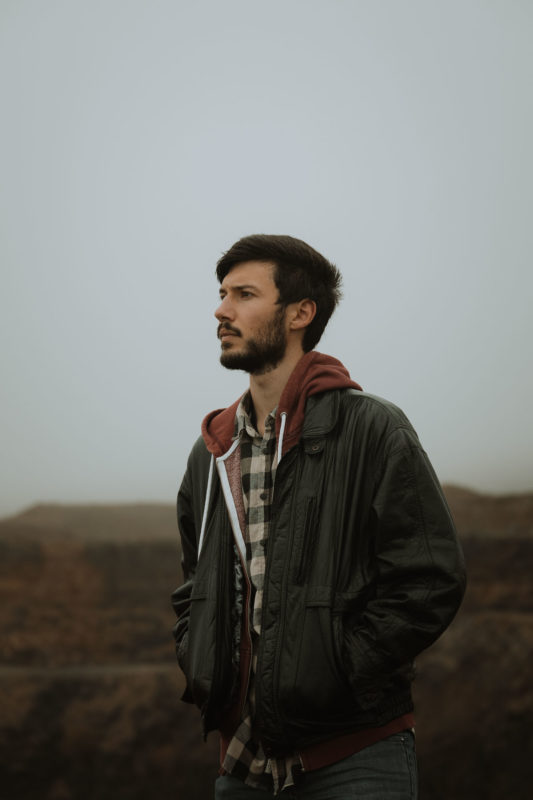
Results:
<point x="222" y="568"/>
<point x="247" y="633"/>
<point x="240" y="545"/>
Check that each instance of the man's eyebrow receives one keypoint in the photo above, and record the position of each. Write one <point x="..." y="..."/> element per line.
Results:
<point x="238" y="287"/>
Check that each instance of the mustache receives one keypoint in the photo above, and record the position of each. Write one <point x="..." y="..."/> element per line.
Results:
<point x="225" y="326"/>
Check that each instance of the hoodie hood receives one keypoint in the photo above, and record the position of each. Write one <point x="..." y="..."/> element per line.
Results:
<point x="314" y="373"/>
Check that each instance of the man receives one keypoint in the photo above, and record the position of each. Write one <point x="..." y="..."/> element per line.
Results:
<point x="318" y="551"/>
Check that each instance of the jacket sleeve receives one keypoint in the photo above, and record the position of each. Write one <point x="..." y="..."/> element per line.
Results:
<point x="419" y="575"/>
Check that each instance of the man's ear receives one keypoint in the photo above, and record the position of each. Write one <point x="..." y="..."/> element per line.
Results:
<point x="301" y="314"/>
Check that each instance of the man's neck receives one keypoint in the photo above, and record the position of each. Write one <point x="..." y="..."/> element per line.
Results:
<point x="267" y="389"/>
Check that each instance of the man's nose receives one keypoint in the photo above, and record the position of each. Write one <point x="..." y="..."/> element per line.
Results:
<point x="225" y="310"/>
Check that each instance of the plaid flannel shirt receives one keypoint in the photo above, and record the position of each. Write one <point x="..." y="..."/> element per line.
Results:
<point x="245" y="757"/>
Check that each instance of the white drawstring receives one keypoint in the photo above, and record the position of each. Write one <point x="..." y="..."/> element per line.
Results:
<point x="281" y="432"/>
<point x="206" y="504"/>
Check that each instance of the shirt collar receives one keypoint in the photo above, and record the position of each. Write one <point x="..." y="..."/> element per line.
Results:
<point x="243" y="420"/>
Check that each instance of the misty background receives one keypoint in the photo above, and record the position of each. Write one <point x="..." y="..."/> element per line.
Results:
<point x="139" y="140"/>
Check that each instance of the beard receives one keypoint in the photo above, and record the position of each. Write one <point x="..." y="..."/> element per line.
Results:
<point x="260" y="353"/>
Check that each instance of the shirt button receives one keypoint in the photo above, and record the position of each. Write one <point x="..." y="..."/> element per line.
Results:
<point x="263" y="495"/>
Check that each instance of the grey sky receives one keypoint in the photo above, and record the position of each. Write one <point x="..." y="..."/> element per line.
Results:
<point x="141" y="139"/>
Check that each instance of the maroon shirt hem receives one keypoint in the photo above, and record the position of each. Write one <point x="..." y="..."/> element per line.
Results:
<point x="326" y="753"/>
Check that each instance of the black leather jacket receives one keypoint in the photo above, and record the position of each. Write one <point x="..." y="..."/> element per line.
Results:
<point x="363" y="571"/>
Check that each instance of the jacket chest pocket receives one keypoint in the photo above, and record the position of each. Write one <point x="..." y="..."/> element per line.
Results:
<point x="305" y="536"/>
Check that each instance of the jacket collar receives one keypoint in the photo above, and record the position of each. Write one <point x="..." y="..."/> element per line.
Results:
<point x="321" y="413"/>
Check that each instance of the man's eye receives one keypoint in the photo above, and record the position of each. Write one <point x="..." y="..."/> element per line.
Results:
<point x="246" y="294"/>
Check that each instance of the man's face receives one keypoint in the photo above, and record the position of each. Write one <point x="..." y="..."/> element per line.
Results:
<point x="251" y="325"/>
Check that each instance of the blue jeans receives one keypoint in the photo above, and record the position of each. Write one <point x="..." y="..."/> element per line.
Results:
<point x="383" y="771"/>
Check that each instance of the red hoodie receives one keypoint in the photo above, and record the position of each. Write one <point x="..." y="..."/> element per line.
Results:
<point x="314" y="373"/>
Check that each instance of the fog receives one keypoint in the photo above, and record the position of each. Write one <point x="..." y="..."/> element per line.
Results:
<point x="141" y="139"/>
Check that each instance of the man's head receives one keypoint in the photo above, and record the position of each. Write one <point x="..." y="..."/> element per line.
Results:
<point x="299" y="273"/>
